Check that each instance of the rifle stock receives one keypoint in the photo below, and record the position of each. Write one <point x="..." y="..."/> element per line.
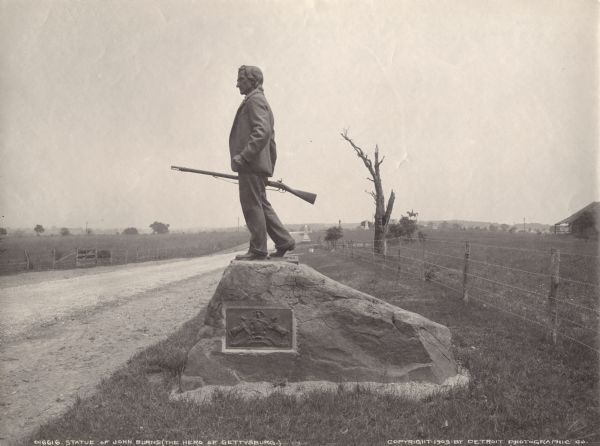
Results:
<point x="309" y="197"/>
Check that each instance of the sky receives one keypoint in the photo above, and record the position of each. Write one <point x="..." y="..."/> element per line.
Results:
<point x="484" y="110"/>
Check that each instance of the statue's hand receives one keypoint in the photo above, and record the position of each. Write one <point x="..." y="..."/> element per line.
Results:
<point x="238" y="160"/>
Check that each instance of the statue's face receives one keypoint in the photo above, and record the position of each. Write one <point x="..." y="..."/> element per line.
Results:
<point x="244" y="84"/>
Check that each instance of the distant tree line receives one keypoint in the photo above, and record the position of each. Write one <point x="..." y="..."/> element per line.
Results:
<point x="332" y="235"/>
<point x="444" y="225"/>
<point x="157" y="228"/>
<point x="406" y="227"/>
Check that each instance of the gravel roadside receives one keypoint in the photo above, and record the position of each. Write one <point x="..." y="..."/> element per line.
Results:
<point x="62" y="332"/>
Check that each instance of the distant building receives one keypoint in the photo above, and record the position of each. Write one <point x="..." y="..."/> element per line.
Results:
<point x="584" y="223"/>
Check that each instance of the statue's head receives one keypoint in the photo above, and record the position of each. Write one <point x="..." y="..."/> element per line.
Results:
<point x="249" y="78"/>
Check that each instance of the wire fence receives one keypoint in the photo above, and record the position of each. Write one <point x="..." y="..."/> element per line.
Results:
<point x="558" y="294"/>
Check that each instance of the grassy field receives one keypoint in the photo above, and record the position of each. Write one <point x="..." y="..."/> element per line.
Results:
<point x="509" y="271"/>
<point x="58" y="252"/>
<point x="521" y="240"/>
<point x="522" y="386"/>
<point x="527" y="251"/>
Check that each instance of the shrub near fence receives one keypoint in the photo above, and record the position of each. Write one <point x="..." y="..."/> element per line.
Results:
<point x="551" y="289"/>
<point x="19" y="254"/>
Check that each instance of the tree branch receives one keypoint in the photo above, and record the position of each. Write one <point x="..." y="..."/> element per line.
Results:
<point x="388" y="210"/>
<point x="360" y="153"/>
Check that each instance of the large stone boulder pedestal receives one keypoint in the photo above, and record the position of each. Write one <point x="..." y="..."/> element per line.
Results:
<point x="274" y="325"/>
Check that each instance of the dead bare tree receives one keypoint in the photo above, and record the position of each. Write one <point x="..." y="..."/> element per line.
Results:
<point x="382" y="212"/>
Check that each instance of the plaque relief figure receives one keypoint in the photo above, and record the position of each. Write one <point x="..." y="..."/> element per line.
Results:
<point x="253" y="155"/>
<point x="257" y="329"/>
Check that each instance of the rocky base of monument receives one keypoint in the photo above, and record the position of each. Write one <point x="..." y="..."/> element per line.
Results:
<point x="282" y="327"/>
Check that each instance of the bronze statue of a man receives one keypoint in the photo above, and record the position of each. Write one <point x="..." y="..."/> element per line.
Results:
<point x="253" y="155"/>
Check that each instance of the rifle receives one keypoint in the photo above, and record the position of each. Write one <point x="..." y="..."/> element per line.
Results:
<point x="309" y="197"/>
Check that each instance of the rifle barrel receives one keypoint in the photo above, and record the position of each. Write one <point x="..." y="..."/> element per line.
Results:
<point x="205" y="172"/>
<point x="309" y="197"/>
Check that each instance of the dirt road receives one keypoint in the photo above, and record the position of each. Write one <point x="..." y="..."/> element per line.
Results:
<point x="63" y="331"/>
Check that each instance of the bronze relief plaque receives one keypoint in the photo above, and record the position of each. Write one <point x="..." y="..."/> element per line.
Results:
<point x="259" y="329"/>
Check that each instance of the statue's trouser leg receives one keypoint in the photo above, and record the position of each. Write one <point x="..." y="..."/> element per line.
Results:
<point x="260" y="216"/>
<point x="275" y="229"/>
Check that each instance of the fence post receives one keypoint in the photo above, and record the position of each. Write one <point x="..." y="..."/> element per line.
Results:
<point x="126" y="256"/>
<point x="53" y="258"/>
<point x="398" y="266"/>
<point x="27" y="262"/>
<point x="552" y="296"/>
<point x="422" y="242"/>
<point x="466" y="272"/>
<point x="385" y="248"/>
<point x="136" y="254"/>
<point x="111" y="254"/>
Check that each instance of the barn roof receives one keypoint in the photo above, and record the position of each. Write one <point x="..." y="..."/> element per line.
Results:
<point x="593" y="207"/>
